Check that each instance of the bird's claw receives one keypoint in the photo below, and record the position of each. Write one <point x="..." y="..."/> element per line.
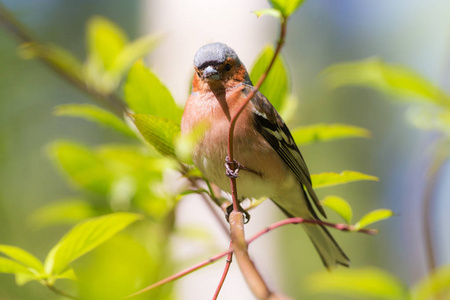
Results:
<point x="229" y="210"/>
<point x="233" y="168"/>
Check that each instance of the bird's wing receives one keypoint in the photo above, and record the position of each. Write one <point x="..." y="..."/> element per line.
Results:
<point x="271" y="126"/>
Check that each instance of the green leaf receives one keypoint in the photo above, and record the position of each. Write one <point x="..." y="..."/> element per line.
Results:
<point x="67" y="211"/>
<point x="286" y="7"/>
<point x="277" y="83"/>
<point x="327" y="132"/>
<point x="372" y="217"/>
<point x="95" y="114"/>
<point x="437" y="283"/>
<point x="185" y="144"/>
<point x="132" y="52"/>
<point x="159" y="132"/>
<point x="105" y="41"/>
<point x="340" y="206"/>
<point x="83" y="166"/>
<point x="392" y="79"/>
<point x="83" y="238"/>
<point x="358" y="283"/>
<point x="268" y="12"/>
<point x="12" y="267"/>
<point x="22" y="257"/>
<point x="63" y="59"/>
<point x="145" y="94"/>
<point x="330" y="178"/>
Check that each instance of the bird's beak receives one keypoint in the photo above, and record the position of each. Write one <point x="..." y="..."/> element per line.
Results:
<point x="211" y="74"/>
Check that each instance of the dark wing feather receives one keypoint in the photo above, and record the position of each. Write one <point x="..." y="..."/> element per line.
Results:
<point x="271" y="126"/>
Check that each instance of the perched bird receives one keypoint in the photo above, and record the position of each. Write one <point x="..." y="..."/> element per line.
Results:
<point x="262" y="143"/>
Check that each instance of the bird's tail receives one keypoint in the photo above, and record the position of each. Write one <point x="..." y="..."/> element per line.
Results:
<point x="329" y="251"/>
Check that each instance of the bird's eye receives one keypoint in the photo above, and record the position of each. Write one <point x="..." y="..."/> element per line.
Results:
<point x="227" y="67"/>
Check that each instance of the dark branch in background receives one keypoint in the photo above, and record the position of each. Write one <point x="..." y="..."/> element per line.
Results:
<point x="428" y="201"/>
<point x="112" y="101"/>
<point x="59" y="292"/>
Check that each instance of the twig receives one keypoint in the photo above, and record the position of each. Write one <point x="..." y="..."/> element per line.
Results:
<point x="115" y="103"/>
<point x="342" y="227"/>
<point x="248" y="269"/>
<point x="59" y="292"/>
<point x="181" y="274"/>
<point x="225" y="272"/>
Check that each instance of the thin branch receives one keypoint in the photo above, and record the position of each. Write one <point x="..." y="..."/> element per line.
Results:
<point x="182" y="273"/>
<point x="59" y="292"/>
<point x="428" y="202"/>
<point x="225" y="273"/>
<point x="341" y="227"/>
<point x="115" y="103"/>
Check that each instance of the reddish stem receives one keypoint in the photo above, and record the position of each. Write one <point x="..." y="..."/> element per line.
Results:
<point x="241" y="108"/>
<point x="341" y="227"/>
<point x="225" y="272"/>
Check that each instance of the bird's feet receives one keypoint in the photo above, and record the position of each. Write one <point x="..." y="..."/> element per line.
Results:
<point x="233" y="168"/>
<point x="230" y="210"/>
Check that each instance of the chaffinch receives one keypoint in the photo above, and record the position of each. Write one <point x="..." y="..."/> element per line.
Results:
<point x="262" y="143"/>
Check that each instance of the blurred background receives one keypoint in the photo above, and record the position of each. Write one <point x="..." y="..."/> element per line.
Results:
<point x="412" y="33"/>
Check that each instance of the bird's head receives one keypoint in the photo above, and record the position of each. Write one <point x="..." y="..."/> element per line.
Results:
<point x="218" y="65"/>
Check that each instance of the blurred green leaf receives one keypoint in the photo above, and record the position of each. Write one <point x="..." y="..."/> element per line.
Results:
<point x="358" y="283"/>
<point x="392" y="79"/>
<point x="12" y="267"/>
<point x="436" y="283"/>
<point x="22" y="257"/>
<point x="96" y="114"/>
<point x="67" y="211"/>
<point x="132" y="52"/>
<point x="277" y="83"/>
<point x="330" y="178"/>
<point x="268" y="12"/>
<point x="372" y="217"/>
<point x="340" y="206"/>
<point x="145" y="94"/>
<point x="184" y="144"/>
<point x="84" y="237"/>
<point x="159" y="132"/>
<point x="56" y="55"/>
<point x="68" y="274"/>
<point x="286" y="7"/>
<point x="327" y="132"/>
<point x="105" y="41"/>
<point x="83" y="166"/>
<point x="23" y="278"/>
<point x="289" y="109"/>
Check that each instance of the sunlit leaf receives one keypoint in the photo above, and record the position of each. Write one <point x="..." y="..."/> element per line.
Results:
<point x="68" y="274"/>
<point x="132" y="52"/>
<point x="331" y="178"/>
<point x="159" y="132"/>
<point x="56" y="55"/>
<point x="83" y="238"/>
<point x="368" y="283"/>
<point x="12" y="267"/>
<point x="23" y="278"/>
<point x="327" y="132"/>
<point x="392" y="79"/>
<point x="286" y="7"/>
<point x="277" y="83"/>
<point x="289" y="109"/>
<point x="340" y="206"/>
<point x="268" y="12"/>
<point x="373" y="216"/>
<point x="82" y="166"/>
<point x="96" y="114"/>
<point x="67" y="211"/>
<point x="145" y="94"/>
<point x="437" y="283"/>
<point x="23" y="257"/>
<point x="105" y="40"/>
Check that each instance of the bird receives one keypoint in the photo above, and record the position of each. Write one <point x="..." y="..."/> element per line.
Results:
<point x="262" y="144"/>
